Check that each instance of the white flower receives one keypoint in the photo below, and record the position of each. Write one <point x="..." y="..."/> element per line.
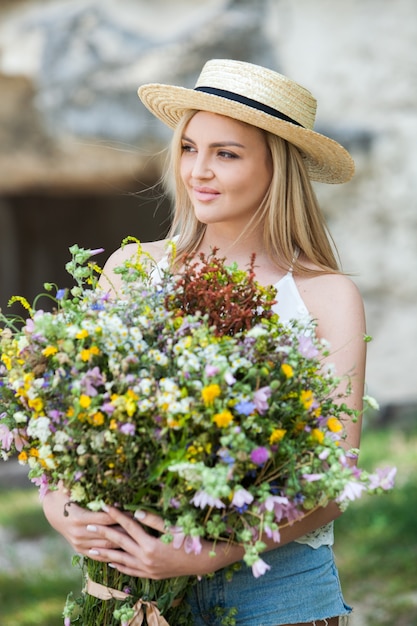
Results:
<point x="39" y="428"/>
<point x="20" y="417"/>
<point x="371" y="402"/>
<point x="77" y="493"/>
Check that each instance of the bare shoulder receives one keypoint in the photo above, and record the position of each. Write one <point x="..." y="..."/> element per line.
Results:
<point x="333" y="298"/>
<point x="156" y="249"/>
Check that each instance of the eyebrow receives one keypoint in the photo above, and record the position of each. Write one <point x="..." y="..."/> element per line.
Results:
<point x="217" y="144"/>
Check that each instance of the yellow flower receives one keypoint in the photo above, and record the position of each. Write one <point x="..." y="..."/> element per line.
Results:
<point x="307" y="398"/>
<point x="82" y="334"/>
<point x="287" y="370"/>
<point x="50" y="351"/>
<point x="23" y="457"/>
<point x="7" y="361"/>
<point x="223" y="419"/>
<point x="277" y="435"/>
<point x="36" y="404"/>
<point x="70" y="411"/>
<point x="34" y="452"/>
<point x="85" y="401"/>
<point x="87" y="353"/>
<point x="98" y="418"/>
<point x="334" y="425"/>
<point x="317" y="435"/>
<point x="210" y="393"/>
<point x="113" y="424"/>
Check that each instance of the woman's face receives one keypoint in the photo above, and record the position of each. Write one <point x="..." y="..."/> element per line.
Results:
<point x="225" y="167"/>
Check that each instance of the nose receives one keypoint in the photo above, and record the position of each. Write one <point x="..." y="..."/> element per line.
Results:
<point x="201" y="168"/>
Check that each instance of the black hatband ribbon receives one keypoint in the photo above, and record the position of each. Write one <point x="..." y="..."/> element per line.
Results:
<point x="254" y="104"/>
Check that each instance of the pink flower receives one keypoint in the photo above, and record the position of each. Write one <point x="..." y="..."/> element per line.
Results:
<point x="42" y="483"/>
<point x="241" y="497"/>
<point x="383" y="478"/>
<point x="278" y="504"/>
<point x="191" y="544"/>
<point x="272" y="534"/>
<point x="259" y="568"/>
<point x="201" y="499"/>
<point x="352" y="491"/>
<point x="211" y="370"/>
<point x="260" y="399"/>
<point x="6" y="437"/>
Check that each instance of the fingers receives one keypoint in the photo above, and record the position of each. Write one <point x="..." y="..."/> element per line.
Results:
<point x="129" y="524"/>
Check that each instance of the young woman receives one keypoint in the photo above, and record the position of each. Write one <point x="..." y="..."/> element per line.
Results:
<point x="242" y="159"/>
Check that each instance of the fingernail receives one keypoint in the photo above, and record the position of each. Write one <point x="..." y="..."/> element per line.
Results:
<point x="92" y="528"/>
<point x="139" y="515"/>
<point x="93" y="552"/>
<point x="111" y="565"/>
<point x="105" y="508"/>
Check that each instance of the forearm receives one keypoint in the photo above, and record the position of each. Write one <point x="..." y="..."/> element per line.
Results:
<point x="226" y="554"/>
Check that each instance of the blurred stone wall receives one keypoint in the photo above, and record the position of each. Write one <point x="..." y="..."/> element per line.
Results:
<point x="78" y="150"/>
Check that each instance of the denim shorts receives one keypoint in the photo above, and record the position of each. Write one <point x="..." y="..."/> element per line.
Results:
<point x="301" y="586"/>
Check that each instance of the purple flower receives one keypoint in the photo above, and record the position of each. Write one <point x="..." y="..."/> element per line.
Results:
<point x="93" y="378"/>
<point x="96" y="251"/>
<point x="259" y="456"/>
<point x="60" y="294"/>
<point x="127" y="428"/>
<point x="311" y="478"/>
<point x="241" y="497"/>
<point x="306" y="347"/>
<point x="260" y="399"/>
<point x="259" y="568"/>
<point x="383" y="478"/>
<point x="108" y="408"/>
<point x="245" y="407"/>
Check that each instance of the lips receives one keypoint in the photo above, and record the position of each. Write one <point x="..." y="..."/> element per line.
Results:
<point x="205" y="194"/>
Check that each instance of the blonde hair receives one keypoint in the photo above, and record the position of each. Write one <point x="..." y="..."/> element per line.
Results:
<point x="291" y="216"/>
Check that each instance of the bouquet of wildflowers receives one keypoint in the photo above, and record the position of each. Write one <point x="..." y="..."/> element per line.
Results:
<point x="185" y="396"/>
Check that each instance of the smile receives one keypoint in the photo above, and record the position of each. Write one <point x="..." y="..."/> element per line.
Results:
<point x="205" y="194"/>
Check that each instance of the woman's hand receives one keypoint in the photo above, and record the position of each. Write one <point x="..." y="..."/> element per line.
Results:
<point x="143" y="555"/>
<point x="71" y="522"/>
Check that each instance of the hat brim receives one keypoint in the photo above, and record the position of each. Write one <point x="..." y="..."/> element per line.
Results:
<point x="326" y="160"/>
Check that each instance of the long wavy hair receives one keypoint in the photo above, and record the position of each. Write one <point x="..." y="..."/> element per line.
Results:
<point x="291" y="217"/>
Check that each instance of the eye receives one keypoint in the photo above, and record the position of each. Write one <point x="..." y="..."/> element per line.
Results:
<point x="226" y="154"/>
<point x="186" y="147"/>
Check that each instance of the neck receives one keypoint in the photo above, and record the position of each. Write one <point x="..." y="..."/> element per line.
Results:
<point x="230" y="245"/>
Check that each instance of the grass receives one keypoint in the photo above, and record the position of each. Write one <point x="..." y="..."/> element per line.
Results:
<point x="376" y="546"/>
<point x="376" y="539"/>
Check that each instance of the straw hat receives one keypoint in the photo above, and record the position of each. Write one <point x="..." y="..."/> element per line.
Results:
<point x="260" y="97"/>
